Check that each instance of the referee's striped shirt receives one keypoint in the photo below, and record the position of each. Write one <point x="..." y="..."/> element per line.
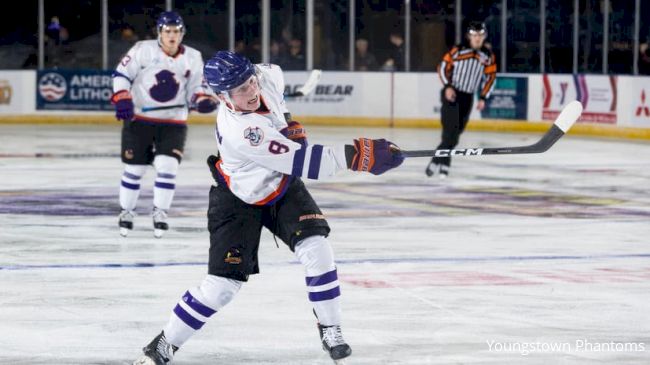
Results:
<point x="466" y="69"/>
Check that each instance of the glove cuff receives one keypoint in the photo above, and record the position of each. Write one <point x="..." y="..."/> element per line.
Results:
<point x="350" y="151"/>
<point x="120" y="95"/>
<point x="364" y="158"/>
<point x="196" y="97"/>
<point x="295" y="130"/>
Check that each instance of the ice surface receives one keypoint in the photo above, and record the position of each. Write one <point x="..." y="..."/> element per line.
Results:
<point x="549" y="248"/>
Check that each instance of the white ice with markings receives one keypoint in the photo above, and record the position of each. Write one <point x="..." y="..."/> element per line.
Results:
<point x="527" y="259"/>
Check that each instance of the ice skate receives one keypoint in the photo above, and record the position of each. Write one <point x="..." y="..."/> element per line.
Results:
<point x="333" y="343"/>
<point x="125" y="221"/>
<point x="443" y="172"/>
<point x="431" y="168"/>
<point x="158" y="352"/>
<point x="159" y="222"/>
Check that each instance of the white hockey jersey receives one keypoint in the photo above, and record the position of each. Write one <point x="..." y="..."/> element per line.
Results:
<point x="257" y="161"/>
<point x="156" y="79"/>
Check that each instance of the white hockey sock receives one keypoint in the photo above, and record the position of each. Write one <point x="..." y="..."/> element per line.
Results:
<point x="165" y="185"/>
<point x="315" y="253"/>
<point x="197" y="305"/>
<point x="130" y="187"/>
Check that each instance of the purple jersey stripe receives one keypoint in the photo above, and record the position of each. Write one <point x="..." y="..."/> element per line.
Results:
<point x="284" y="191"/>
<point x="187" y="318"/>
<point x="199" y="307"/>
<point x="314" y="161"/>
<point x="325" y="295"/>
<point x="119" y="74"/>
<point x="166" y="176"/>
<point x="130" y="186"/>
<point x="219" y="138"/>
<point x="326" y="278"/>
<point x="299" y="161"/>
<point x="163" y="185"/>
<point x="221" y="180"/>
<point x="131" y="176"/>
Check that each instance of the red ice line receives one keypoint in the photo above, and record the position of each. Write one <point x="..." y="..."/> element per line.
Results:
<point x="477" y="278"/>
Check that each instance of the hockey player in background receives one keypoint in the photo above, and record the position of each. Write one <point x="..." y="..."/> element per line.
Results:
<point x="263" y="156"/>
<point x="154" y="86"/>
<point x="466" y="68"/>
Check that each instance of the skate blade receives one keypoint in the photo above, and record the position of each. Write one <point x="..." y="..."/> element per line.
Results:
<point x="144" y="361"/>
<point x="158" y="233"/>
<point x="124" y="232"/>
<point x="340" y="362"/>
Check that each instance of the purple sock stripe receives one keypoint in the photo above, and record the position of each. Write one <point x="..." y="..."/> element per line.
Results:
<point x="163" y="185"/>
<point x="130" y="186"/>
<point x="166" y="176"/>
<point x="325" y="295"/>
<point x="314" y="161"/>
<point x="299" y="161"/>
<point x="131" y="176"/>
<point x="326" y="278"/>
<point x="187" y="318"/>
<point x="199" y="307"/>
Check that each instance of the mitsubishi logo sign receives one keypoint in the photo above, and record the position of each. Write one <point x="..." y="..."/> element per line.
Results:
<point x="643" y="109"/>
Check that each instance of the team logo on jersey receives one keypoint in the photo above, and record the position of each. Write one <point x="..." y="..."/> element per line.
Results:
<point x="254" y="135"/>
<point x="52" y="86"/>
<point x="166" y="87"/>
<point x="233" y="256"/>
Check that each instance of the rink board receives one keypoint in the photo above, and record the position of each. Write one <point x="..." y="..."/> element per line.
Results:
<point x="615" y="106"/>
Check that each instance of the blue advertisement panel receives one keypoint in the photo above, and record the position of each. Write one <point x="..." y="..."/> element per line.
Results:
<point x="509" y="99"/>
<point x="73" y="90"/>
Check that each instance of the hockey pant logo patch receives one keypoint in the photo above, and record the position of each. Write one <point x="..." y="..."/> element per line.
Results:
<point x="233" y="257"/>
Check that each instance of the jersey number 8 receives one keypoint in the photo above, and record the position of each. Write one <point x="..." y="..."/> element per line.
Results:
<point x="278" y="148"/>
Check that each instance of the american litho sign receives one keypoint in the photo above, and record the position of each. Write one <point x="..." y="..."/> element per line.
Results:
<point x="73" y="90"/>
<point x="597" y="94"/>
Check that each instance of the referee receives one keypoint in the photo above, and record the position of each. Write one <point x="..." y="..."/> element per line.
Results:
<point x="467" y="67"/>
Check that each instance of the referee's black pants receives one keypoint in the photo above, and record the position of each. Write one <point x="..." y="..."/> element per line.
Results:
<point x="454" y="117"/>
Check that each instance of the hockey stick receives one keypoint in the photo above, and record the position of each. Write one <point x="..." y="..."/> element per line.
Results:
<point x="58" y="155"/>
<point x="153" y="108"/>
<point x="562" y="124"/>
<point x="309" y="85"/>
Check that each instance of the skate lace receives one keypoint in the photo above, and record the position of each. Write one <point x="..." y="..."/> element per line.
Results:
<point x="332" y="336"/>
<point x="165" y="349"/>
<point x="159" y="215"/>
<point x="126" y="215"/>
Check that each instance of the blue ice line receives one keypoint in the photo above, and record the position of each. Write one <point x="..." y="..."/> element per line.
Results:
<point x="339" y="262"/>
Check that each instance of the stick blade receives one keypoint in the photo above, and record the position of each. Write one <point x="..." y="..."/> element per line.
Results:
<point x="569" y="116"/>
<point x="312" y="81"/>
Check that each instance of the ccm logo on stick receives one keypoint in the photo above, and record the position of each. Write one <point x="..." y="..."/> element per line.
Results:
<point x="467" y="152"/>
